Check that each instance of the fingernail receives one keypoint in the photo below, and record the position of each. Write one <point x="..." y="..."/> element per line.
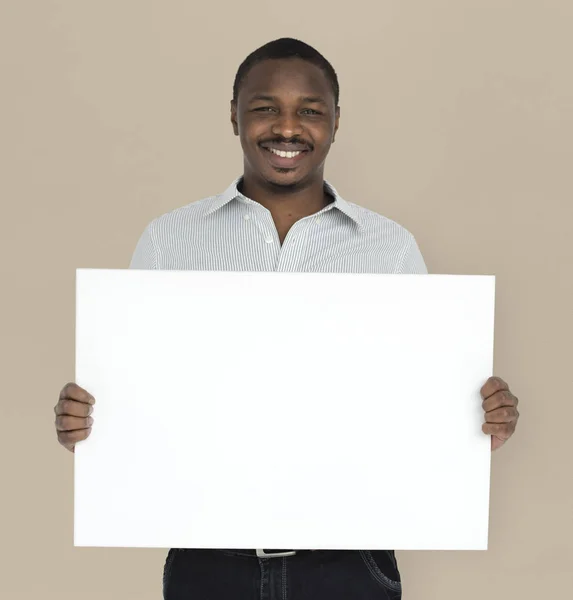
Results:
<point x="90" y="410"/>
<point x="90" y="421"/>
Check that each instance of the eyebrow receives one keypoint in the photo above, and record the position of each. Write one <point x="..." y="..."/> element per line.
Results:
<point x="310" y="99"/>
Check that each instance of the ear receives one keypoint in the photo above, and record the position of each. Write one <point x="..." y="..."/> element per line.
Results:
<point x="234" y="118"/>
<point x="336" y="123"/>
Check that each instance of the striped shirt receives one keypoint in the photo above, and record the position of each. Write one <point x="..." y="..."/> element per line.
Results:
<point x="230" y="232"/>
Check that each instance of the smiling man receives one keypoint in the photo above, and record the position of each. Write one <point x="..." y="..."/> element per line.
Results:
<point x="286" y="114"/>
<point x="281" y="215"/>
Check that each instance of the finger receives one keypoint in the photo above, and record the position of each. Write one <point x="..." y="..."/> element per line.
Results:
<point x="75" y="392"/>
<point x="505" y="414"/>
<point x="66" y="423"/>
<point x="502" y="431"/>
<point x="499" y="399"/>
<point x="493" y="385"/>
<point x="73" y="408"/>
<point x="67" y="438"/>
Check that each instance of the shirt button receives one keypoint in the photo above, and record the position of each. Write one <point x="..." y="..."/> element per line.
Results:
<point x="317" y="219"/>
<point x="269" y="240"/>
<point x="246" y="217"/>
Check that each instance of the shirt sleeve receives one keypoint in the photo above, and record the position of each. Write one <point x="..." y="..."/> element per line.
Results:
<point x="145" y="254"/>
<point x="413" y="261"/>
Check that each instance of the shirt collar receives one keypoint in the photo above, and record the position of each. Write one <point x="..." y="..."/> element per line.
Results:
<point x="339" y="203"/>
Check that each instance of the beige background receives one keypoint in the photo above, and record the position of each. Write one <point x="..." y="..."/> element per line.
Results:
<point x="456" y="121"/>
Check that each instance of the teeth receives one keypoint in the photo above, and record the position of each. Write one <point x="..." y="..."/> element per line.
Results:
<point x="284" y="154"/>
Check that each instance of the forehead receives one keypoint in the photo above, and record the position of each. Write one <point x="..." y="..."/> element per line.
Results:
<point x="290" y="77"/>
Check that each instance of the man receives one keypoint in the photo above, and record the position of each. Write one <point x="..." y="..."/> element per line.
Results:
<point x="281" y="216"/>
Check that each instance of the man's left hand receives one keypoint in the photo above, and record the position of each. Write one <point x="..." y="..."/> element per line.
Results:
<point x="500" y="408"/>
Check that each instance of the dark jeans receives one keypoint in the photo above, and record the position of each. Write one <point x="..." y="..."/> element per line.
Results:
<point x="308" y="575"/>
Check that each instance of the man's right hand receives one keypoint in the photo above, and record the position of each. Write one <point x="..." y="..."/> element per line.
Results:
<point x="73" y="421"/>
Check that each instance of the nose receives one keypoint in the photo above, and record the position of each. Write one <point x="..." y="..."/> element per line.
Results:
<point x="287" y="126"/>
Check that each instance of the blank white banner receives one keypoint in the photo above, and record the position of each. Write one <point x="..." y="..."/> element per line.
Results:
<point x="283" y="410"/>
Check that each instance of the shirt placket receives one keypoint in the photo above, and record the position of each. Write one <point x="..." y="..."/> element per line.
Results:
<point x="291" y="256"/>
<point x="294" y="254"/>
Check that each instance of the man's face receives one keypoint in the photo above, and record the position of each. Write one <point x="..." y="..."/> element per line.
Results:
<point x="297" y="114"/>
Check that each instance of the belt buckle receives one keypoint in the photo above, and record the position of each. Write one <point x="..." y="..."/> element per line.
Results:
<point x="263" y="554"/>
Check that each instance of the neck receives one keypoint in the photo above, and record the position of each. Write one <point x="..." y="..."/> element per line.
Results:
<point x="290" y="204"/>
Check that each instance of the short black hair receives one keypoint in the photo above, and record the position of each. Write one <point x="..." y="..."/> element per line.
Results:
<point x="286" y="48"/>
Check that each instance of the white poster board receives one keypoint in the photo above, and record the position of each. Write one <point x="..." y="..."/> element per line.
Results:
<point x="283" y="410"/>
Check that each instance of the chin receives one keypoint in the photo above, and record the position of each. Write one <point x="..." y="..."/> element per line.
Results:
<point x="284" y="178"/>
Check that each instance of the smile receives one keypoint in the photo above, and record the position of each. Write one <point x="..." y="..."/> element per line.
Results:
<point x="284" y="159"/>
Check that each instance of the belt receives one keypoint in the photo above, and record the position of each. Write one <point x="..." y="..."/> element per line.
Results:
<point x="278" y="553"/>
<point x="260" y="553"/>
